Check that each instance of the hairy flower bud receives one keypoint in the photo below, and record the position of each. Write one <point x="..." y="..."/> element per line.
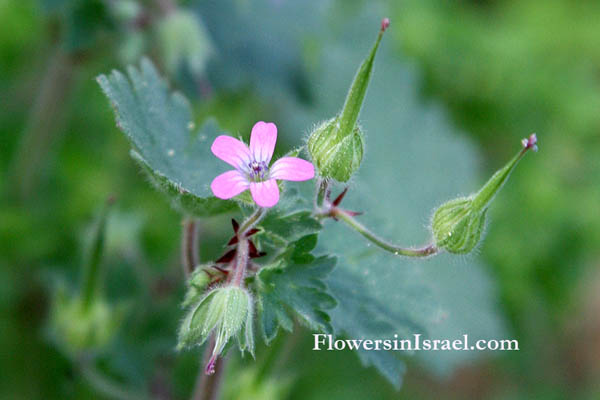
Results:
<point x="337" y="145"/>
<point x="224" y="312"/>
<point x="457" y="225"/>
<point x="336" y="158"/>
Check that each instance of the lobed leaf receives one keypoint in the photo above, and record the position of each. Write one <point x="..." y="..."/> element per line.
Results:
<point x="159" y="125"/>
<point x="293" y="286"/>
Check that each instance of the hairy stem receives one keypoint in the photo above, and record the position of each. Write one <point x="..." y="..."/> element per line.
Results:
<point x="189" y="246"/>
<point x="252" y="220"/>
<point x="241" y="263"/>
<point x="242" y="255"/>
<point x="207" y="386"/>
<point x="397" y="250"/>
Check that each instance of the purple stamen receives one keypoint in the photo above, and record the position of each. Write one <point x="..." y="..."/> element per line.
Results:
<point x="257" y="170"/>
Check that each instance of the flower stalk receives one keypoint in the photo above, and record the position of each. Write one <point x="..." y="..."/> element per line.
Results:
<point x="383" y="244"/>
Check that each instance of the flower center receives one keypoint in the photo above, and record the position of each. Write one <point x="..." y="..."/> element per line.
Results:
<point x="258" y="170"/>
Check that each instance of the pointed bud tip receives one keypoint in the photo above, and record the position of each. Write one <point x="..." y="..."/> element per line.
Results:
<point x="530" y="142"/>
<point x="385" y="23"/>
<point x="210" y="367"/>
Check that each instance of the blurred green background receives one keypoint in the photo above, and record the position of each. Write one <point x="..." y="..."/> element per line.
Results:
<point x="482" y="74"/>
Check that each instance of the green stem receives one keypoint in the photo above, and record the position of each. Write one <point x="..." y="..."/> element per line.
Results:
<point x="91" y="278"/>
<point x="402" y="251"/>
<point x="252" y="220"/>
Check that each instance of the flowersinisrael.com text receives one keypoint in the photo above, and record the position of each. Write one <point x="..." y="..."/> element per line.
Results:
<point x="416" y="343"/>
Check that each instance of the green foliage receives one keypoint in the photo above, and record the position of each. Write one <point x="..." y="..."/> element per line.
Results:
<point x="160" y="127"/>
<point x="281" y="228"/>
<point x="292" y="286"/>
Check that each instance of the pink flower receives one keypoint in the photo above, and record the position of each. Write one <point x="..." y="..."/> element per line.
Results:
<point x="252" y="166"/>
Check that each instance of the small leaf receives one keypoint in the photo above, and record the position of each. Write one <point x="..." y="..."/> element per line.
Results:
<point x="293" y="285"/>
<point x="159" y="125"/>
<point x="290" y="227"/>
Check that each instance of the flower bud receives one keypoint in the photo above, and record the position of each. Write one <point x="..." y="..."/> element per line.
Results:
<point x="336" y="158"/>
<point x="457" y="225"/>
<point x="77" y="326"/>
<point x="224" y="312"/>
<point x="197" y="283"/>
<point x="337" y="145"/>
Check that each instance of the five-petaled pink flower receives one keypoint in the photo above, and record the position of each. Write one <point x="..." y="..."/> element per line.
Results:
<point x="252" y="166"/>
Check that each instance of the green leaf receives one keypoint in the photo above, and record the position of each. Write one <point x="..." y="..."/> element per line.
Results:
<point x="281" y="228"/>
<point x="293" y="286"/>
<point x="160" y="128"/>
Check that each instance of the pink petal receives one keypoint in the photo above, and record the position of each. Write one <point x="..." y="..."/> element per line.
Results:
<point x="292" y="169"/>
<point x="265" y="194"/>
<point x="229" y="184"/>
<point x="234" y="152"/>
<point x="262" y="141"/>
